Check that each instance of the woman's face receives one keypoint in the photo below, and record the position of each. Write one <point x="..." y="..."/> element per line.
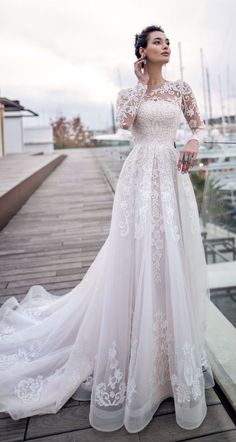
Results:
<point x="158" y="49"/>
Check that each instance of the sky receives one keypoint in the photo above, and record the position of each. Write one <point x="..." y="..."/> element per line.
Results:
<point x="72" y="57"/>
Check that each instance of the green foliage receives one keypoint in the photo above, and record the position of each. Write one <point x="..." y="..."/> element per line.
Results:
<point x="213" y="202"/>
<point x="217" y="206"/>
<point x="198" y="182"/>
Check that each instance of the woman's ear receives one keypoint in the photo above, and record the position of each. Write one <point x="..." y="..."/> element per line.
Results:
<point x="141" y="51"/>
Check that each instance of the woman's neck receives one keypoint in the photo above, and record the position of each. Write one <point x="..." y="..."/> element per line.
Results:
<point x="155" y="75"/>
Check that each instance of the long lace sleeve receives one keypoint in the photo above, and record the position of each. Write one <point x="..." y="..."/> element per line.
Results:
<point x="191" y="113"/>
<point x="127" y="104"/>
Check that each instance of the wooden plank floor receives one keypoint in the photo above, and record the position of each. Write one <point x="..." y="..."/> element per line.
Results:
<point x="57" y="233"/>
<point x="15" y="168"/>
<point x="52" y="241"/>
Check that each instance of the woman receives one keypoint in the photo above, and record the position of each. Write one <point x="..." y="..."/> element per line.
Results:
<point x="131" y="333"/>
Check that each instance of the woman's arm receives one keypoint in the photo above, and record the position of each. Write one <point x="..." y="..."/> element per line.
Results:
<point x="127" y="104"/>
<point x="191" y="113"/>
<point x="196" y="124"/>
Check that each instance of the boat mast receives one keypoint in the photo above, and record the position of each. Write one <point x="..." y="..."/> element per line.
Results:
<point x="234" y="104"/>
<point x="112" y="105"/>
<point x="209" y="97"/>
<point x="204" y="91"/>
<point x="182" y="119"/>
<point x="113" y="118"/>
<point x="228" y="94"/>
<point x="222" y="106"/>
<point x="181" y="62"/>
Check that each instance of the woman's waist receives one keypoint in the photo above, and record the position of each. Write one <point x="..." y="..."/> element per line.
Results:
<point x="157" y="142"/>
<point x="155" y="138"/>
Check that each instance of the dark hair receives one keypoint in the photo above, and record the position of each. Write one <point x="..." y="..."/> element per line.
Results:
<point x="142" y="38"/>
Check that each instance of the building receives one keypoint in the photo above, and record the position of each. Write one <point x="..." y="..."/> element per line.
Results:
<point x="14" y="138"/>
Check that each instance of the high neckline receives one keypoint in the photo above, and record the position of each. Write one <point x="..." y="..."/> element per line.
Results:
<point x="159" y="86"/>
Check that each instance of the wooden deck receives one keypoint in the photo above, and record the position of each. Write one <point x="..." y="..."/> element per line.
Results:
<point x="52" y="241"/>
<point x="20" y="176"/>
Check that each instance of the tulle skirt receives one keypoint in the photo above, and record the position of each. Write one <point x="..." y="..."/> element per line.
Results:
<point x="132" y="332"/>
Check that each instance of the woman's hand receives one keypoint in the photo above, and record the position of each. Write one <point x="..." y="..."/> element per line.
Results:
<point x="190" y="150"/>
<point x="143" y="77"/>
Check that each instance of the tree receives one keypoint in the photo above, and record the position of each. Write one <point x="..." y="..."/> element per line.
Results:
<point x="69" y="133"/>
<point x="78" y="133"/>
<point x="60" y="132"/>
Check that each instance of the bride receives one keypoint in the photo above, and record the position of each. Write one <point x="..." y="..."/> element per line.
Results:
<point x="132" y="332"/>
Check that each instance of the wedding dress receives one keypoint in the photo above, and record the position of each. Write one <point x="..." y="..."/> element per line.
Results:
<point x="132" y="332"/>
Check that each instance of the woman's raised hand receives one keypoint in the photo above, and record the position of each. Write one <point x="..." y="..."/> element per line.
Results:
<point x="143" y="77"/>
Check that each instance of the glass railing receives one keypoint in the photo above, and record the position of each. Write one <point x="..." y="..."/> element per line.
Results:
<point x="214" y="182"/>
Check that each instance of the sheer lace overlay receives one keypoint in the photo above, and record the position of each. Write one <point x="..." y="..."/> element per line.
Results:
<point x="132" y="332"/>
<point x="177" y="92"/>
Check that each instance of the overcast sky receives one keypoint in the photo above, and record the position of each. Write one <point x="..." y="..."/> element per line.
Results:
<point x="71" y="57"/>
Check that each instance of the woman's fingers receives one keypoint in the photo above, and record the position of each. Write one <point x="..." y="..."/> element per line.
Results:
<point x="139" y="61"/>
<point x="183" y="164"/>
<point x="138" y="66"/>
<point x="192" y="158"/>
<point x="181" y="154"/>
<point x="140" y="58"/>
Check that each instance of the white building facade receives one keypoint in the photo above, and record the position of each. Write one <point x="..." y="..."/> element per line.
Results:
<point x="15" y="138"/>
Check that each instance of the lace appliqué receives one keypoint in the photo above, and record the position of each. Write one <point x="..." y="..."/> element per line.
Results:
<point x="135" y="193"/>
<point x="22" y="355"/>
<point x="128" y="101"/>
<point x="160" y="365"/>
<point x="191" y="112"/>
<point x="29" y="389"/>
<point x="32" y="313"/>
<point x="192" y="206"/>
<point x="131" y="385"/>
<point x="170" y="91"/>
<point x="5" y="331"/>
<point x="114" y="392"/>
<point x="191" y="388"/>
<point x="140" y="198"/>
<point x="161" y="373"/>
<point x="186" y="387"/>
<point x="157" y="225"/>
<point x="168" y="179"/>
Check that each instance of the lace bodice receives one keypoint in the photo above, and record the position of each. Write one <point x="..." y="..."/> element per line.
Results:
<point x="153" y="116"/>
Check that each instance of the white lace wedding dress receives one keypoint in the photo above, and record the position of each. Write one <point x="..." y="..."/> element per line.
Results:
<point x="132" y="332"/>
